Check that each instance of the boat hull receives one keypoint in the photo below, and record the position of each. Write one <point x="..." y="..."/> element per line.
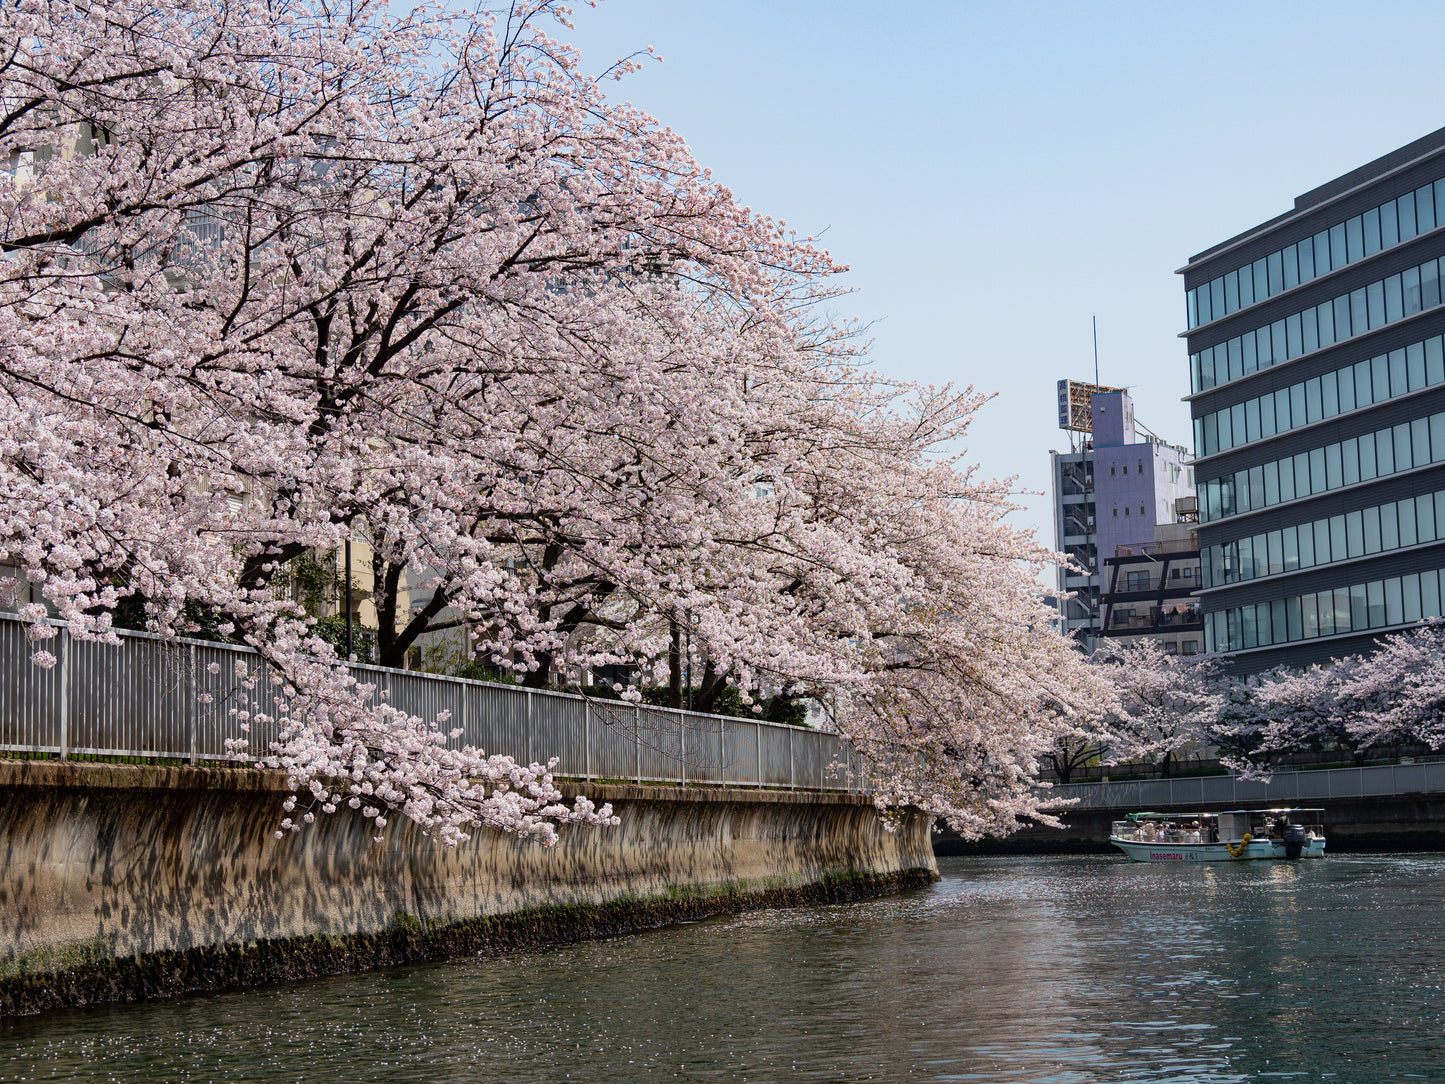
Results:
<point x="1213" y="852"/>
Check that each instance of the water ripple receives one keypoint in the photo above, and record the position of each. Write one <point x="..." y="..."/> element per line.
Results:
<point x="1072" y="971"/>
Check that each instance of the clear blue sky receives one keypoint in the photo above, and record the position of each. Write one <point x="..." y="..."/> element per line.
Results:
<point x="995" y="174"/>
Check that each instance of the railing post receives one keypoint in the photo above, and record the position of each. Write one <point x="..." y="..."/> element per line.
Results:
<point x="190" y="704"/>
<point x="530" y="759"/>
<point x="587" y="738"/>
<point x="792" y="774"/>
<point x="63" y="656"/>
<point x="722" y="767"/>
<point x="682" y="744"/>
<point x="758" y="735"/>
<point x="637" y="739"/>
<point x="464" y="692"/>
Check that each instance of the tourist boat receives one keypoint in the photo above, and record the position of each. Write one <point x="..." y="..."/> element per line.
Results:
<point x="1232" y="836"/>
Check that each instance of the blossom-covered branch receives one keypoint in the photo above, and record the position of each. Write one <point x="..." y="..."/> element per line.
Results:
<point x="277" y="278"/>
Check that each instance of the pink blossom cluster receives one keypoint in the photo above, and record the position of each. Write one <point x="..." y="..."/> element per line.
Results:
<point x="276" y="278"/>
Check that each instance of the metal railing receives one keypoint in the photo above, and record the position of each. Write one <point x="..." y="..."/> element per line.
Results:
<point x="1150" y="549"/>
<point x="1165" y="619"/>
<point x="152" y="698"/>
<point x="1291" y="787"/>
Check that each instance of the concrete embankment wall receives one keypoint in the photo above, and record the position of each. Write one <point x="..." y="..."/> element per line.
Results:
<point x="119" y="882"/>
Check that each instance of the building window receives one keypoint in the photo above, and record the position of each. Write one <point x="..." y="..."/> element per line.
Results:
<point x="1116" y="513"/>
<point x="1141" y="466"/>
<point x="1126" y="510"/>
<point x="1408" y="522"/>
<point x="1138" y="581"/>
<point x="1141" y="510"/>
<point x="1191" y="647"/>
<point x="1355" y="313"/>
<point x="1171" y="648"/>
<point x="1126" y="468"/>
<point x="1174" y="575"/>
<point x="1402" y="371"/>
<point x="1112" y="470"/>
<point x="1391" y="223"/>
<point x="1407" y="446"/>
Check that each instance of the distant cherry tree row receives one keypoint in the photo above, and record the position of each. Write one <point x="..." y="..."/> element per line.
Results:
<point x="1165" y="705"/>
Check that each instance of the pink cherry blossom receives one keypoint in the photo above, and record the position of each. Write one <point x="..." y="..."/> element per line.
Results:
<point x="276" y="279"/>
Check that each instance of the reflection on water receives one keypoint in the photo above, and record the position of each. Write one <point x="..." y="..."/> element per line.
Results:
<point x="1063" y="970"/>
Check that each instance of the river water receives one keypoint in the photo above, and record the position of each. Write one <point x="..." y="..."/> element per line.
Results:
<point x="1063" y="970"/>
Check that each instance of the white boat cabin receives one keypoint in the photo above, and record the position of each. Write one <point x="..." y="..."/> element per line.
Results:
<point x="1225" y="836"/>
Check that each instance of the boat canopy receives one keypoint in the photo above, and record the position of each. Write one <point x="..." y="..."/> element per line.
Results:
<point x="1152" y="816"/>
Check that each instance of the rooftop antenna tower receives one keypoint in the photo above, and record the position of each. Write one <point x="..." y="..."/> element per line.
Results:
<point x="1096" y="348"/>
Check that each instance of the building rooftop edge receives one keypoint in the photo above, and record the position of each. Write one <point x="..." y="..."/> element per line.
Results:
<point x="1413" y="151"/>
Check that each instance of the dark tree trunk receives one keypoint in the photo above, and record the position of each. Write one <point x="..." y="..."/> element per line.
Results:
<point x="392" y="643"/>
<point x="576" y="617"/>
<point x="710" y="689"/>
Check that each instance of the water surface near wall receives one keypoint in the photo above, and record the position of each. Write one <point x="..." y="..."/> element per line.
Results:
<point x="1076" y="970"/>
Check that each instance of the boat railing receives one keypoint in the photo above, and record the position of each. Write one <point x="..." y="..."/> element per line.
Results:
<point x="1129" y="831"/>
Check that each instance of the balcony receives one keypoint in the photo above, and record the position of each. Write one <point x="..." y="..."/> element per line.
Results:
<point x="1170" y="617"/>
<point x="1074" y="480"/>
<point x="1154" y="549"/>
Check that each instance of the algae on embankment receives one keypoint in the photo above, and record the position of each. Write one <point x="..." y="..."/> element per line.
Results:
<point x="126" y="882"/>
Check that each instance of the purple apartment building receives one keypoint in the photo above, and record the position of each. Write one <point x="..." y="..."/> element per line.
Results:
<point x="1120" y="494"/>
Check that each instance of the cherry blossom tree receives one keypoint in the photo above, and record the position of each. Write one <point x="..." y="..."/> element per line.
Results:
<point x="1071" y="752"/>
<point x="1398" y="690"/>
<point x="1165" y="703"/>
<point x="966" y="682"/>
<point x="1317" y="708"/>
<point x="1239" y="733"/>
<point x="280" y="277"/>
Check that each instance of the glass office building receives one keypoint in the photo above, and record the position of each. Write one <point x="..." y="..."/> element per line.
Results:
<point x="1317" y="366"/>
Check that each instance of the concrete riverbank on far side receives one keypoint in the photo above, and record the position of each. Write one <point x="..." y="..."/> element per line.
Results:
<point x="1373" y="808"/>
